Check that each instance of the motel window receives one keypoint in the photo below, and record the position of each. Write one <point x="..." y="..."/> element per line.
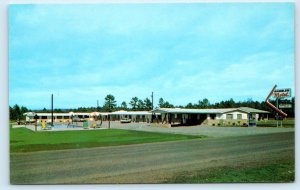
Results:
<point x="239" y="116"/>
<point x="229" y="116"/>
<point x="59" y="117"/>
<point x="44" y="117"/>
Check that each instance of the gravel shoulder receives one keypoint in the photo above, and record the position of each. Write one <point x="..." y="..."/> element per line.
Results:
<point x="210" y="131"/>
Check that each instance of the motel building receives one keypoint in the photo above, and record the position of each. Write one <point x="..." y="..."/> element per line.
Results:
<point x="169" y="117"/>
<point x="134" y="116"/>
<point x="57" y="117"/>
<point x="242" y="116"/>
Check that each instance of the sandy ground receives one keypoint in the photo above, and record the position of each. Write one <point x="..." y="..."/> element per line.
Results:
<point x="148" y="163"/>
<point x="209" y="131"/>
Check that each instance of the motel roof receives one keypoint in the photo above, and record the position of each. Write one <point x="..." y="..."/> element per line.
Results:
<point x="120" y="112"/>
<point x="252" y="110"/>
<point x="55" y="114"/>
<point x="123" y="112"/>
<point x="207" y="111"/>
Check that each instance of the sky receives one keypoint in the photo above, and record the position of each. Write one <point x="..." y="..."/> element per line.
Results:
<point x="180" y="52"/>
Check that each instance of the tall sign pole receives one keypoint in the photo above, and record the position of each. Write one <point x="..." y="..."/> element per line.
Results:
<point x="152" y="100"/>
<point x="52" y="109"/>
<point x="109" y="115"/>
<point x="109" y="120"/>
<point x="152" y="108"/>
<point x="280" y="93"/>
<point x="272" y="106"/>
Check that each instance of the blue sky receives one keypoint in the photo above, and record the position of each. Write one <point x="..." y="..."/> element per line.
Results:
<point x="181" y="52"/>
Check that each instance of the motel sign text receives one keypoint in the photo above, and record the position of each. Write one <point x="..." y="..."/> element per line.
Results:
<point x="282" y="93"/>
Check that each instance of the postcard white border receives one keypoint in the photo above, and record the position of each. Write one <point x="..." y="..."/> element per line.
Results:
<point x="4" y="134"/>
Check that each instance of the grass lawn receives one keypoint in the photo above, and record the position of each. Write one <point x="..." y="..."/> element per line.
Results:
<point x="287" y="123"/>
<point x="276" y="172"/>
<point x="25" y="140"/>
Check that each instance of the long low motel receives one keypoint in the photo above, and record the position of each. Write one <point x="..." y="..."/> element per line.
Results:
<point x="135" y="116"/>
<point x="213" y="117"/>
<point x="169" y="116"/>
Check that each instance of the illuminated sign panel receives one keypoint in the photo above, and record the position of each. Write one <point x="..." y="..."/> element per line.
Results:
<point x="282" y="93"/>
<point x="285" y="105"/>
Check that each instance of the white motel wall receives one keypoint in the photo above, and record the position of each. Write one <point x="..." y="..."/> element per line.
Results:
<point x="234" y="115"/>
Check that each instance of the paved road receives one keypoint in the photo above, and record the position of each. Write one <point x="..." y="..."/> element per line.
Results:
<point x="148" y="163"/>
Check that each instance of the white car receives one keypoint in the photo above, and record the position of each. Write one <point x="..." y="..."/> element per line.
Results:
<point x="125" y="120"/>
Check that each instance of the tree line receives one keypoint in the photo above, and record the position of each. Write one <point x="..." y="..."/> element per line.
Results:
<point x="110" y="104"/>
<point x="16" y="112"/>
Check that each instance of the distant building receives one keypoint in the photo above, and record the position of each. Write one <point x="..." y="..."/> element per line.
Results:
<point x="57" y="117"/>
<point x="135" y="116"/>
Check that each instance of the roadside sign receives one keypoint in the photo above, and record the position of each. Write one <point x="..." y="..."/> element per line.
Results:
<point x="282" y="93"/>
<point x="285" y="105"/>
<point x="272" y="106"/>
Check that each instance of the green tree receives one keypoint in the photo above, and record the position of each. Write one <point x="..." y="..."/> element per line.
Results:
<point x="23" y="110"/>
<point x="206" y="103"/>
<point x="148" y="104"/>
<point x="189" y="105"/>
<point x="168" y="105"/>
<point x="161" y="102"/>
<point x="124" y="105"/>
<point x="230" y="103"/>
<point x="164" y="104"/>
<point x="110" y="103"/>
<point x="140" y="105"/>
<point x="134" y="103"/>
<point x="17" y="112"/>
<point x="11" y="113"/>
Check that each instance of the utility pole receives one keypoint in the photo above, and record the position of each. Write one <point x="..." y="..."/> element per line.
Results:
<point x="109" y="121"/>
<point x="109" y="115"/>
<point x="97" y="105"/>
<point x="52" y="110"/>
<point x="152" y="108"/>
<point x="152" y="100"/>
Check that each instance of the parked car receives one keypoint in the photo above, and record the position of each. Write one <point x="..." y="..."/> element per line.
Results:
<point x="125" y="120"/>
